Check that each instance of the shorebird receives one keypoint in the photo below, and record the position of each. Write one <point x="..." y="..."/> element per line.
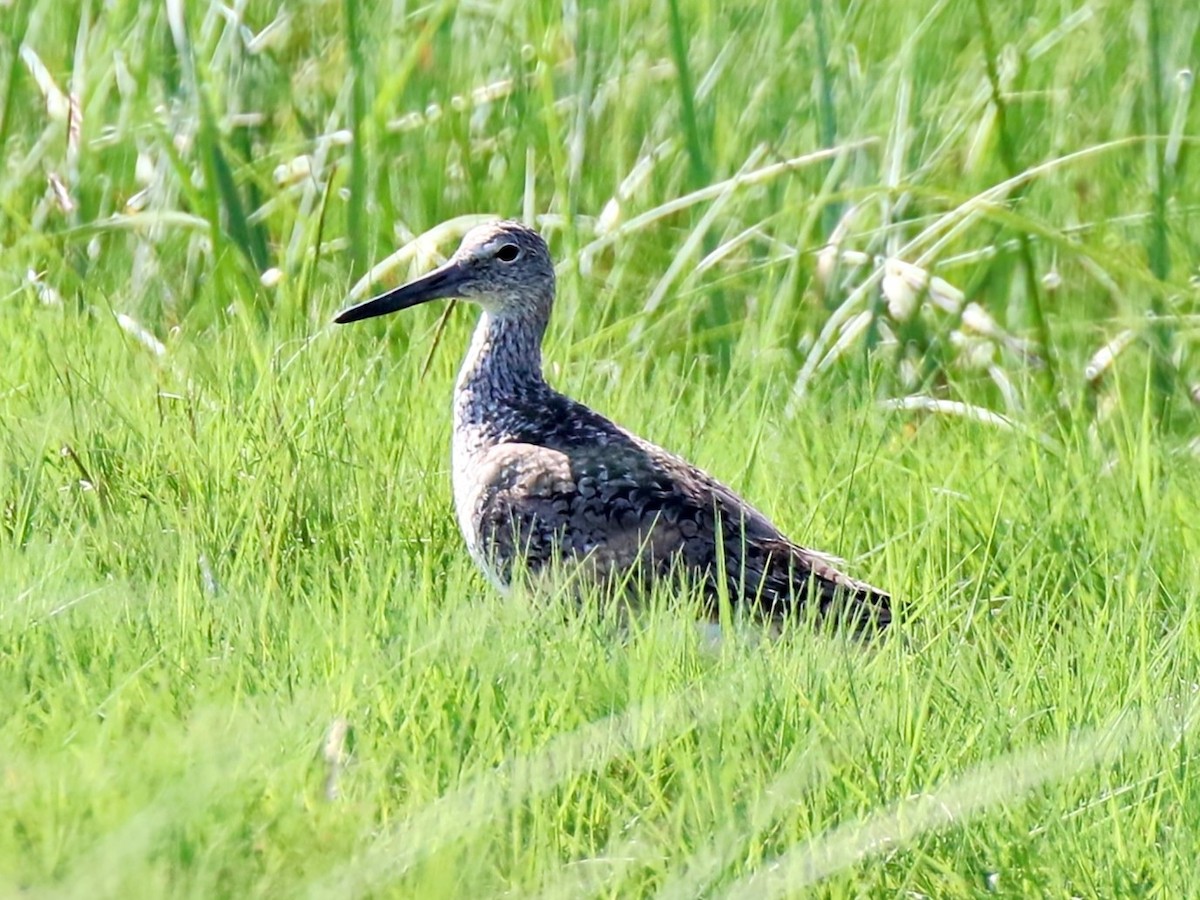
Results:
<point x="540" y="479"/>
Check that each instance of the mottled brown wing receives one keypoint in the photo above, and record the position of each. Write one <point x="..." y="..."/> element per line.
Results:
<point x="766" y="570"/>
<point x="628" y="506"/>
<point x="613" y="508"/>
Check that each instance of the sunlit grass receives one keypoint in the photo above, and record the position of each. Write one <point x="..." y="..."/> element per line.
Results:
<point x="226" y="526"/>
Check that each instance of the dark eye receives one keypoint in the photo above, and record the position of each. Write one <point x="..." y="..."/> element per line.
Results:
<point x="508" y="253"/>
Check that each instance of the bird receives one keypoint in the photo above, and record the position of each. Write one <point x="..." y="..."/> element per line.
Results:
<point x="540" y="480"/>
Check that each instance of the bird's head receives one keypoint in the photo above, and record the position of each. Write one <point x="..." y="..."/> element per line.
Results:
<point x="505" y="267"/>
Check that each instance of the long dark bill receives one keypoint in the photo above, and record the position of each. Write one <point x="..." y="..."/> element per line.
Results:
<point x="437" y="285"/>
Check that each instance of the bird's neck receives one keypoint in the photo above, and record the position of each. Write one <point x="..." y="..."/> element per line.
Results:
<point x="503" y="365"/>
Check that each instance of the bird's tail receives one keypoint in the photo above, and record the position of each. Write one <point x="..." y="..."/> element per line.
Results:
<point x="862" y="610"/>
<point x="814" y="585"/>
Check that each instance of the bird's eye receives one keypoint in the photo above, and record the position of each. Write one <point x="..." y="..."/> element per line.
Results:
<point x="508" y="253"/>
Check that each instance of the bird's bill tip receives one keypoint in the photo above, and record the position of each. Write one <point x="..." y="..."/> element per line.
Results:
<point x="438" y="284"/>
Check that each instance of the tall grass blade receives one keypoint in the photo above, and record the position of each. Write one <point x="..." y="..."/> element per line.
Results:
<point x="826" y="109"/>
<point x="697" y="154"/>
<point x="356" y="204"/>
<point x="1158" y="253"/>
<point x="18" y="21"/>
<point x="1008" y="154"/>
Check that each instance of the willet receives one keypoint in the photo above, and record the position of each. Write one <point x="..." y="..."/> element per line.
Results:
<point x="541" y="480"/>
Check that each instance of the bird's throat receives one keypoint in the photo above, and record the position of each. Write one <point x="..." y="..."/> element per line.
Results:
<point x="503" y="364"/>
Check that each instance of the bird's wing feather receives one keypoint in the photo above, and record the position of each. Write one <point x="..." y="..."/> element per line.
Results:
<point x="624" y="503"/>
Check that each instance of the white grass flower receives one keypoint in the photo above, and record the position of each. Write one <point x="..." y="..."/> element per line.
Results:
<point x="610" y="217"/>
<point x="904" y="285"/>
<point x="902" y="297"/>
<point x="144" y="169"/>
<point x="975" y="354"/>
<point x="977" y="319"/>
<point x="133" y="327"/>
<point x="46" y="294"/>
<point x="294" y="171"/>
<point x="1103" y="359"/>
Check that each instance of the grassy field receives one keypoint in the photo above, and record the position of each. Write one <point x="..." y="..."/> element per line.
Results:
<point x="243" y="651"/>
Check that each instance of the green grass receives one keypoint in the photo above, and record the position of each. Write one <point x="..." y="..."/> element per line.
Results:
<point x="226" y="532"/>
